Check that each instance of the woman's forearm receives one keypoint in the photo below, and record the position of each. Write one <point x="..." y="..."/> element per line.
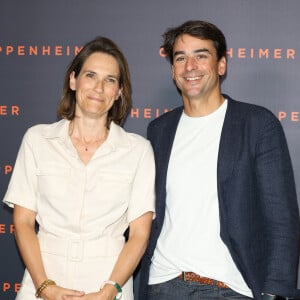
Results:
<point x="28" y="244"/>
<point x="133" y="250"/>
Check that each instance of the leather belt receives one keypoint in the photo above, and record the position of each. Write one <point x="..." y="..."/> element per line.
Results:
<point x="190" y="276"/>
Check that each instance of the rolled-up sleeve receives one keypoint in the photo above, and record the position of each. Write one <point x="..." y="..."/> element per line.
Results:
<point x="143" y="195"/>
<point x="23" y="183"/>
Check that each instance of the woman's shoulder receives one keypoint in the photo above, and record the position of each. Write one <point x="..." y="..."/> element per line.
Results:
<point x="128" y="137"/>
<point x="46" y="129"/>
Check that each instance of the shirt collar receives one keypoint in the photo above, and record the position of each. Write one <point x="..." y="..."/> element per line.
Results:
<point x="58" y="129"/>
<point x="117" y="136"/>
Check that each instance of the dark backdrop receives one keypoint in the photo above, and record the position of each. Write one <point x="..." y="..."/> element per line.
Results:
<point x="39" y="38"/>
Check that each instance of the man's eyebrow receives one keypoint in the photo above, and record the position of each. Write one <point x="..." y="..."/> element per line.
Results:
<point x="196" y="51"/>
<point x="202" y="50"/>
<point x="88" y="70"/>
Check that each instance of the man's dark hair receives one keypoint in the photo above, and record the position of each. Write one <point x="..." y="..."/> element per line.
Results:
<point x="199" y="29"/>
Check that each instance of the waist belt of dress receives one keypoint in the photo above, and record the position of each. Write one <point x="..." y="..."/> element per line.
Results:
<point x="77" y="249"/>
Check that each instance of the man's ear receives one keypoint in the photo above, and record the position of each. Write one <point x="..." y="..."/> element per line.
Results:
<point x="222" y="65"/>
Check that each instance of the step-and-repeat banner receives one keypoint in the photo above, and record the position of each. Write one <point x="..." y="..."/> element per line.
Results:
<point x="38" y="39"/>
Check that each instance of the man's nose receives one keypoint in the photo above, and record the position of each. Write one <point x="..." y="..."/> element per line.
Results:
<point x="191" y="63"/>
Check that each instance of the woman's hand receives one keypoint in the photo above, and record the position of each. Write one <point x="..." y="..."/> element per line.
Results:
<point x="55" y="292"/>
<point x="106" y="293"/>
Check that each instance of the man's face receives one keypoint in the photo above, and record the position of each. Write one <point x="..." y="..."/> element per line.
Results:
<point x="196" y="69"/>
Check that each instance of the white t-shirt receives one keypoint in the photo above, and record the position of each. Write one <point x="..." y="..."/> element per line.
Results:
<point x="190" y="237"/>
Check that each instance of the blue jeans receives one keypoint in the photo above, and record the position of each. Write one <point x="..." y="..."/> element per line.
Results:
<point x="177" y="289"/>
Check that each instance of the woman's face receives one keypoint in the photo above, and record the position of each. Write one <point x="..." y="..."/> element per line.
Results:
<point x="96" y="86"/>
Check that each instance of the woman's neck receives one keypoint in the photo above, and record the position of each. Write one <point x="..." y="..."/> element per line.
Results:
<point x="87" y="137"/>
<point x="88" y="131"/>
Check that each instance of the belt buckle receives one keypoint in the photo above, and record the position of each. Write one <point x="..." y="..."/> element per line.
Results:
<point x="75" y="250"/>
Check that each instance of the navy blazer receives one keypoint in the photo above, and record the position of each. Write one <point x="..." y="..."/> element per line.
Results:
<point x="259" y="213"/>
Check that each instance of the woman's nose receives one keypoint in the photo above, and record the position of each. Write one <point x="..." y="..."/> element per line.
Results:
<point x="99" y="85"/>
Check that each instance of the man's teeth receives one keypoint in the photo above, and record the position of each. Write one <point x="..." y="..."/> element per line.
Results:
<point x="192" y="78"/>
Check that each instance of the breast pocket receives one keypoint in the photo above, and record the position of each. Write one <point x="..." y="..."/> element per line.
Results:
<point x="53" y="180"/>
<point x="113" y="186"/>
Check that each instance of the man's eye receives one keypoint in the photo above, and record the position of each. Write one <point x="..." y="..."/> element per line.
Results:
<point x="180" y="59"/>
<point x="201" y="56"/>
<point x="90" y="75"/>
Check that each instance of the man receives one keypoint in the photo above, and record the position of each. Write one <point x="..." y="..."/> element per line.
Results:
<point x="227" y="218"/>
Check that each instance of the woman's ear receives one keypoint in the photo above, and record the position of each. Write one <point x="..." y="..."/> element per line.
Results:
<point x="72" y="82"/>
<point x="119" y="94"/>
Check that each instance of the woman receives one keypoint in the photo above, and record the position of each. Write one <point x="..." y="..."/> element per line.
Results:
<point x="85" y="181"/>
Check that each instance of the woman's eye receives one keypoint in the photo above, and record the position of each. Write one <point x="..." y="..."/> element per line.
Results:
<point x="111" y="80"/>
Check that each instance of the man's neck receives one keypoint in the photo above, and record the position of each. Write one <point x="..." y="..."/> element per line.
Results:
<point x="202" y="107"/>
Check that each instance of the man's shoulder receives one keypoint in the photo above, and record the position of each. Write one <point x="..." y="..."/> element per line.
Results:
<point x="245" y="110"/>
<point x="167" y="117"/>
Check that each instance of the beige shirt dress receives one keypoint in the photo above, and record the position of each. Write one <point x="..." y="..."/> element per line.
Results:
<point x="82" y="210"/>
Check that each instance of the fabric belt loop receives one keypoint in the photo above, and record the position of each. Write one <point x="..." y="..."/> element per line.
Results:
<point x="75" y="250"/>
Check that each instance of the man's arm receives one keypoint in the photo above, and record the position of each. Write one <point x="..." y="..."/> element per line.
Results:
<point x="277" y="193"/>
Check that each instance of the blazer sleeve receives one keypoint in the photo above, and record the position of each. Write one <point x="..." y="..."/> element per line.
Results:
<point x="276" y="189"/>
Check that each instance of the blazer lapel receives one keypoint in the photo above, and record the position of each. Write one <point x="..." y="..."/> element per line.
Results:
<point x="163" y="148"/>
<point x="229" y="143"/>
<point x="169" y="131"/>
<point x="228" y="150"/>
